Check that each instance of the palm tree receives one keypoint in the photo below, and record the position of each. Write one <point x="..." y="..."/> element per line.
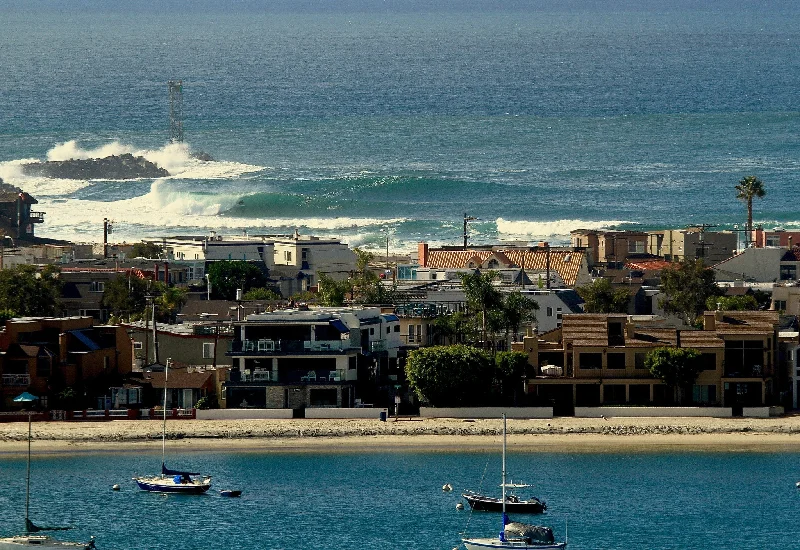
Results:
<point x="749" y="187"/>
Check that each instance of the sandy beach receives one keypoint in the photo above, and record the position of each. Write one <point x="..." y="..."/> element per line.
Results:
<point x="443" y="435"/>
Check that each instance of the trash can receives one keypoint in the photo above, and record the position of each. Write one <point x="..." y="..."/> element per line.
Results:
<point x="383" y="416"/>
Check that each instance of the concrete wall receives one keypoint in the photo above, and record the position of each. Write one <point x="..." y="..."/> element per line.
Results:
<point x="597" y="412"/>
<point x="243" y="414"/>
<point x="344" y="413"/>
<point x="761" y="412"/>
<point x="486" y="412"/>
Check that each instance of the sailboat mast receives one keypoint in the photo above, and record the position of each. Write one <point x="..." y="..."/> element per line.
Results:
<point x="28" y="481"/>
<point x="504" y="471"/>
<point x="164" y="428"/>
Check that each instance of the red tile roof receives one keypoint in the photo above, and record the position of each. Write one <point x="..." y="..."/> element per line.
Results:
<point x="566" y="263"/>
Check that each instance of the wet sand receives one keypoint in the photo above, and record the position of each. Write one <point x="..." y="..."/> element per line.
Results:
<point x="624" y="435"/>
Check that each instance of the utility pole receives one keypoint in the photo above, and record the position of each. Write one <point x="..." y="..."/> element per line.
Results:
<point x="467" y="219"/>
<point x="702" y="241"/>
<point x="106" y="229"/>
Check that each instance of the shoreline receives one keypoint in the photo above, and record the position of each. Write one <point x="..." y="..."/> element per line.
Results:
<point x="611" y="435"/>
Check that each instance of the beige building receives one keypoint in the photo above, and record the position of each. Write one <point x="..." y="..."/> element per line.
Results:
<point x="692" y="244"/>
<point x="597" y="359"/>
<point x="609" y="248"/>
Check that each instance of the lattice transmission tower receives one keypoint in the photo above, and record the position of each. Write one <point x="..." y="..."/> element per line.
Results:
<point x="176" y="111"/>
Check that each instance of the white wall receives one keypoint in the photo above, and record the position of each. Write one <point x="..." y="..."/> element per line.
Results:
<point x="597" y="412"/>
<point x="243" y="414"/>
<point x="486" y="412"/>
<point x="365" y="412"/>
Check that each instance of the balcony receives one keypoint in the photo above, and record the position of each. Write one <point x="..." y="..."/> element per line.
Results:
<point x="292" y="377"/>
<point x="18" y="380"/>
<point x="747" y="371"/>
<point x="36" y="217"/>
<point x="286" y="347"/>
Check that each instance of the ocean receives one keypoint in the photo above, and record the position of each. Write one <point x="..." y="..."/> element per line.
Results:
<point x="394" y="500"/>
<point x="356" y="118"/>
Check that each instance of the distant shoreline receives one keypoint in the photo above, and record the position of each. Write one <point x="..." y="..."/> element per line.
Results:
<point x="613" y="435"/>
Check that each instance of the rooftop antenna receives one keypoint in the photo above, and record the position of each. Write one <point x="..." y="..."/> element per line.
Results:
<point x="175" y="111"/>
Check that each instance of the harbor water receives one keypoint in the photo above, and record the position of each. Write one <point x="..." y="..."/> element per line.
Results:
<point x="390" y="500"/>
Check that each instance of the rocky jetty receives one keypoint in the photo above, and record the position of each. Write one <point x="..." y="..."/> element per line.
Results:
<point x="115" y="167"/>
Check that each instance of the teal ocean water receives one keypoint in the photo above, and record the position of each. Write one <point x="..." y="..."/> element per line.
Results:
<point x="348" y="500"/>
<point x="343" y="118"/>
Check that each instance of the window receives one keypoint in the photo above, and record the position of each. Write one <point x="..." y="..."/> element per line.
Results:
<point x="43" y="366"/>
<point x="788" y="272"/>
<point x="702" y="394"/>
<point x="616" y="361"/>
<point x="372" y="331"/>
<point x="397" y="328"/>
<point x="419" y="333"/>
<point x="743" y="356"/>
<point x="208" y="350"/>
<point x="137" y="345"/>
<point x="97" y="286"/>
<point x="708" y="361"/>
<point x="388" y="330"/>
<point x="773" y="240"/>
<point x="287" y="255"/>
<point x="780" y="305"/>
<point x="590" y="360"/>
<point x="558" y="313"/>
<point x="638" y="360"/>
<point x="410" y="333"/>
<point x="549" y="311"/>
<point x="636" y="247"/>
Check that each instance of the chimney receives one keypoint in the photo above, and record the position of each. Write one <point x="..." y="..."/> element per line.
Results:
<point x="630" y="330"/>
<point x="422" y="253"/>
<point x="709" y="320"/>
<point x="789" y="241"/>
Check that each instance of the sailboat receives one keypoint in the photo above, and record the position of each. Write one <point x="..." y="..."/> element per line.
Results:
<point x="29" y="539"/>
<point x="514" y="535"/>
<point x="172" y="481"/>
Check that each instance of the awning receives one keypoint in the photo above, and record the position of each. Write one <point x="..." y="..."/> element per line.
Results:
<point x="339" y="325"/>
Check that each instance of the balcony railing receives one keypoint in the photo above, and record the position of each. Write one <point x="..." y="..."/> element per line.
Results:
<point x="269" y="347"/>
<point x="751" y="371"/>
<point x="22" y="380"/>
<point x="36" y="217"/>
<point x="316" y="376"/>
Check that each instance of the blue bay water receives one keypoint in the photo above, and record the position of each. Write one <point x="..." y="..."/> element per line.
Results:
<point x="340" y="119"/>
<point x="388" y="500"/>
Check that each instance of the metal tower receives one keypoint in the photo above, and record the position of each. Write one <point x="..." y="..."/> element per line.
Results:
<point x="176" y="111"/>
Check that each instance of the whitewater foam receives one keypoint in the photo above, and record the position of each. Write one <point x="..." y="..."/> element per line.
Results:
<point x="556" y="229"/>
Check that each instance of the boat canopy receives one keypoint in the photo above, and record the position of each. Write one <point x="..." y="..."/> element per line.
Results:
<point x="531" y="533"/>
<point x="167" y="472"/>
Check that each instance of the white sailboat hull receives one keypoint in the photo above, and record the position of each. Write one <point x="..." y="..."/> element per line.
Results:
<point x="497" y="544"/>
<point x="38" y="541"/>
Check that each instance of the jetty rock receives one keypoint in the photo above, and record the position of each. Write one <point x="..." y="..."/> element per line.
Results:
<point x="114" y="167"/>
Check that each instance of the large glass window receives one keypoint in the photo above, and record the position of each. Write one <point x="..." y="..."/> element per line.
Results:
<point x="590" y="360"/>
<point x="615" y="361"/>
<point x="744" y="357"/>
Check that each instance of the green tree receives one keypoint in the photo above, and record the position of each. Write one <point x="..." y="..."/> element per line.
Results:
<point x="600" y="297"/>
<point x="676" y="367"/>
<point x="126" y="296"/>
<point x="482" y="296"/>
<point x="511" y="367"/>
<point x="263" y="293"/>
<point x="229" y="275"/>
<point x="749" y="188"/>
<point x="517" y="309"/>
<point x="169" y="301"/>
<point x="686" y="287"/>
<point x="146" y="250"/>
<point x="30" y="292"/>
<point x="331" y="292"/>
<point x="732" y="303"/>
<point x="450" y="376"/>
<point x="449" y="328"/>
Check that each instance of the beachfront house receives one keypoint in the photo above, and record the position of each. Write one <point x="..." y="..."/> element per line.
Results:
<point x="320" y="357"/>
<point x="599" y="359"/>
<point x="65" y="361"/>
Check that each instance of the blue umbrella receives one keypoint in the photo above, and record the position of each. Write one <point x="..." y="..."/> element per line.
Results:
<point x="25" y="397"/>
